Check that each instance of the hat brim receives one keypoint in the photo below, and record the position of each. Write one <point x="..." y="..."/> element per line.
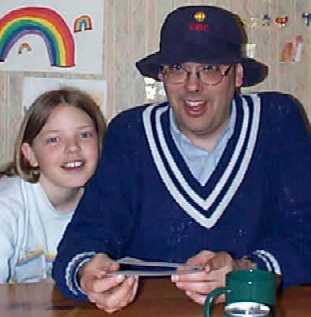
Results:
<point x="254" y="71"/>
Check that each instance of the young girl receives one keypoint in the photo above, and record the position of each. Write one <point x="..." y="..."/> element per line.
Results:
<point x="56" y="153"/>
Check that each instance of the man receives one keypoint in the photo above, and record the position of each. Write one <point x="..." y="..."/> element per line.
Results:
<point x="210" y="178"/>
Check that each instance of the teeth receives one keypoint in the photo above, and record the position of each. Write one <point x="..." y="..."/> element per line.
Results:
<point x="194" y="103"/>
<point x="74" y="164"/>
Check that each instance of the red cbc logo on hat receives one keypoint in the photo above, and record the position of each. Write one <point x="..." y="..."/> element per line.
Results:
<point x="198" y="26"/>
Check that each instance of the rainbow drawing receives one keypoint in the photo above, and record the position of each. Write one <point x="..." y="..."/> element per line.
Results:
<point x="24" y="46"/>
<point x="83" y="22"/>
<point x="41" y="21"/>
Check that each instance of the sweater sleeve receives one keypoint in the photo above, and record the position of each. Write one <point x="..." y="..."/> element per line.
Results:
<point x="285" y="249"/>
<point x="103" y="220"/>
<point x="11" y="206"/>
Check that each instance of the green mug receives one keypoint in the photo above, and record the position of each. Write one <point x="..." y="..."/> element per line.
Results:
<point x="247" y="293"/>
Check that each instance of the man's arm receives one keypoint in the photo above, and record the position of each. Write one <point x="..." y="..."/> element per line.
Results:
<point x="103" y="219"/>
<point x="284" y="245"/>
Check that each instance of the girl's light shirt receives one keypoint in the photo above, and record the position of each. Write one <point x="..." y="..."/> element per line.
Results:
<point x="201" y="162"/>
<point x="31" y="229"/>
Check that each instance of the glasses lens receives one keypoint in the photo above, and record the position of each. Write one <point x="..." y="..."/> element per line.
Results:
<point x="208" y="74"/>
<point x="175" y="74"/>
<point x="211" y="74"/>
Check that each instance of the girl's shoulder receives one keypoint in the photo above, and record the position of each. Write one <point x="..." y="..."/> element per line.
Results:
<point x="12" y="200"/>
<point x="10" y="184"/>
<point x="14" y="190"/>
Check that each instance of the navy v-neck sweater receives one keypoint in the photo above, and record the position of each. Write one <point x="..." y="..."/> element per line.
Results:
<point x="144" y="201"/>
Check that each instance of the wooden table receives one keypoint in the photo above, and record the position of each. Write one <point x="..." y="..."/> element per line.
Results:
<point x="157" y="298"/>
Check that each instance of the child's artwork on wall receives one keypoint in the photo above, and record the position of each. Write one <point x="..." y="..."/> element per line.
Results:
<point x="292" y="50"/>
<point x="52" y="35"/>
<point x="34" y="86"/>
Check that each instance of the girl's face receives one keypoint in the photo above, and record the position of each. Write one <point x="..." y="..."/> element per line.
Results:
<point x="66" y="149"/>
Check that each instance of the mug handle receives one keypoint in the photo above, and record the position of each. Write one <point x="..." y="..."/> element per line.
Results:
<point x="210" y="298"/>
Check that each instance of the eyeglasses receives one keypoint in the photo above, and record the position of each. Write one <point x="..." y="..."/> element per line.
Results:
<point x="208" y="74"/>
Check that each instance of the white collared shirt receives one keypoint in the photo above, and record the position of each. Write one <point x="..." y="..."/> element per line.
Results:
<point x="201" y="162"/>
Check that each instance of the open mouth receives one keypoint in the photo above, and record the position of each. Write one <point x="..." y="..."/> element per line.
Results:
<point x="195" y="107"/>
<point x="73" y="165"/>
<point x="194" y="103"/>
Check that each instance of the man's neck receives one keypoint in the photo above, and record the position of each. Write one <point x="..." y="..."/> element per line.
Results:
<point x="208" y="142"/>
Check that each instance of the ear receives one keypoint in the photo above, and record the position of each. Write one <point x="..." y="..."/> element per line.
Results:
<point x="29" y="154"/>
<point x="239" y="73"/>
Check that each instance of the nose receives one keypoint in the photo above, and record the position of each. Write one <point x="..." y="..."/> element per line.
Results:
<point x="193" y="82"/>
<point x="73" y="145"/>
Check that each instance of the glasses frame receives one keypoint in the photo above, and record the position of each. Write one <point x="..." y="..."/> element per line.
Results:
<point x="197" y="72"/>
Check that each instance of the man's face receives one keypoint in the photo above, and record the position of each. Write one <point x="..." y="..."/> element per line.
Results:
<point x="202" y="110"/>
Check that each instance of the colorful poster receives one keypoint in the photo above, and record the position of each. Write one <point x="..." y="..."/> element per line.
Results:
<point x="52" y="36"/>
<point x="34" y="86"/>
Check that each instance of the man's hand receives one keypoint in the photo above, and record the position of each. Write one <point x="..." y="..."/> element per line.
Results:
<point x="107" y="292"/>
<point x="216" y="265"/>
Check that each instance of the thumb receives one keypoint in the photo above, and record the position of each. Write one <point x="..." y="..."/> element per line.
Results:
<point x="201" y="258"/>
<point x="220" y="260"/>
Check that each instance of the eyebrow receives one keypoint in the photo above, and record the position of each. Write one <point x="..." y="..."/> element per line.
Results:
<point x="87" y="126"/>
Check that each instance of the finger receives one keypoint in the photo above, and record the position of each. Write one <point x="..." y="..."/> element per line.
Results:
<point x="198" y="276"/>
<point x="104" y="262"/>
<point x="94" y="271"/>
<point x="135" y="288"/>
<point x="220" y="260"/>
<point x="99" y="281"/>
<point x="191" y="277"/>
<point x="108" y="282"/>
<point x="219" y="275"/>
<point x="88" y="278"/>
<point x="107" y="309"/>
<point x="131" y="294"/>
<point x="201" y="258"/>
<point x="116" y="298"/>
<point x="198" y="287"/>
<point x="196" y="297"/>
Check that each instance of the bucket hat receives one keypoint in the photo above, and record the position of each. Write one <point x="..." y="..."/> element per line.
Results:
<point x="203" y="34"/>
